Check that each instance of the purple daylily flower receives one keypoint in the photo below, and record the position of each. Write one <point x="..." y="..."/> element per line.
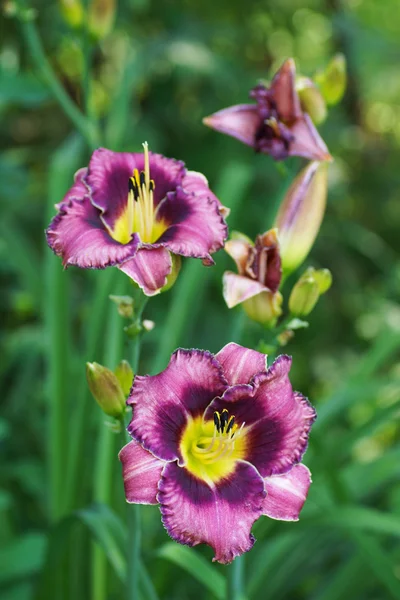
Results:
<point x="217" y="442"/>
<point x="276" y="124"/>
<point x="133" y="210"/>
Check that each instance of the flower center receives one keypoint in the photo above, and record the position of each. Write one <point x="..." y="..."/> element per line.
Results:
<point x="139" y="215"/>
<point x="211" y="448"/>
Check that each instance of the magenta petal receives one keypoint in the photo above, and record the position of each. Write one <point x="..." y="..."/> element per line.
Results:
<point x="194" y="513"/>
<point x="78" y="190"/>
<point x="284" y="90"/>
<point x="306" y="140"/>
<point x="240" y="364"/>
<point x="164" y="402"/>
<point x="149" y="268"/>
<point x="286" y="494"/>
<point x="196" y="226"/>
<point x="240" y="121"/>
<point x="141" y="472"/>
<point x="78" y="235"/>
<point x="238" y="288"/>
<point x="197" y="183"/>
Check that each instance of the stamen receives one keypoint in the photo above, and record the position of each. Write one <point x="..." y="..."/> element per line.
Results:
<point x="224" y="418"/>
<point x="231" y="423"/>
<point x="217" y="421"/>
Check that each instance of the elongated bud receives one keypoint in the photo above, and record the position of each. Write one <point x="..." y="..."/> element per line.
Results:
<point x="300" y="215"/>
<point x="323" y="277"/>
<point x="106" y="389"/>
<point x="124" y="374"/>
<point x="172" y="277"/>
<point x="311" y="99"/>
<point x="304" y="297"/>
<point x="101" y="17"/>
<point x="333" y="79"/>
<point x="73" y="12"/>
<point x="264" y="308"/>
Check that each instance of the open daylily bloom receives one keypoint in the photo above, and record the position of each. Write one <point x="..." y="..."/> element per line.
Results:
<point x="217" y="442"/>
<point x="276" y="124"/>
<point x="133" y="210"/>
<point x="259" y="275"/>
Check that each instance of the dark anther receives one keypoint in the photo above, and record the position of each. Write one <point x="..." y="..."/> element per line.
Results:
<point x="151" y="186"/>
<point x="230" y="424"/>
<point x="224" y="418"/>
<point x="131" y="185"/>
<point x="142" y="178"/>
<point x="217" y="421"/>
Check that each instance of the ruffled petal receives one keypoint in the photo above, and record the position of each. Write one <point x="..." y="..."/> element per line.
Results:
<point x="306" y="140"/>
<point x="164" y="402"/>
<point x="77" y="234"/>
<point x="241" y="122"/>
<point x="197" y="183"/>
<point x="277" y="420"/>
<point x="78" y="190"/>
<point x="196" y="227"/>
<point x="221" y="516"/>
<point x="240" y="364"/>
<point x="238" y="288"/>
<point x="285" y="94"/>
<point x="109" y="173"/>
<point x="141" y="472"/>
<point x="239" y="250"/>
<point x="149" y="268"/>
<point x="286" y="494"/>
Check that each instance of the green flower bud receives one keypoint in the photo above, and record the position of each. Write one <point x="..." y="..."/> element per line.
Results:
<point x="101" y="17"/>
<point x="73" y="12"/>
<point x="264" y="308"/>
<point x="106" y="389"/>
<point x="323" y="277"/>
<point x="172" y="277"/>
<point x="124" y="374"/>
<point x="332" y="80"/>
<point x="311" y="99"/>
<point x="124" y="305"/>
<point x="304" y="297"/>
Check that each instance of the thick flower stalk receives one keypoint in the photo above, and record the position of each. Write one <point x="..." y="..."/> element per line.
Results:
<point x="217" y="442"/>
<point x="136" y="211"/>
<point x="276" y="124"/>
<point x="256" y="284"/>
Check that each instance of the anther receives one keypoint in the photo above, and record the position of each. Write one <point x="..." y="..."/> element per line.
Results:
<point x="217" y="421"/>
<point x="151" y="185"/>
<point x="142" y="179"/>
<point x="131" y="185"/>
<point x="231" y="423"/>
<point x="224" y="418"/>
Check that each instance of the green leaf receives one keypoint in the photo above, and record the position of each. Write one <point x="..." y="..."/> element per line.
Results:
<point x="195" y="565"/>
<point x="23" y="558"/>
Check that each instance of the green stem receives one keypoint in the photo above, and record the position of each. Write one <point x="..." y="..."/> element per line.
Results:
<point x="235" y="580"/>
<point x="88" y="129"/>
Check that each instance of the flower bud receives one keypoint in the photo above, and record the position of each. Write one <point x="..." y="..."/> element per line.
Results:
<point x="106" y="389"/>
<point x="300" y="215"/>
<point x="172" y="277"/>
<point x="311" y="99"/>
<point x="323" y="277"/>
<point x="264" y="308"/>
<point x="124" y="374"/>
<point x="101" y="17"/>
<point x="124" y="305"/>
<point x="304" y="297"/>
<point x="332" y="80"/>
<point x="73" y="12"/>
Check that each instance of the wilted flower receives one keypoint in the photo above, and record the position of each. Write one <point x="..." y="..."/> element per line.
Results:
<point x="132" y="211"/>
<point x="217" y="442"/>
<point x="301" y="213"/>
<point x="276" y="124"/>
<point x="259" y="275"/>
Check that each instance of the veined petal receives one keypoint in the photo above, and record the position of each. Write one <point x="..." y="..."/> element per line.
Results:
<point x="149" y="268"/>
<point x="287" y="493"/>
<point x="198" y="184"/>
<point x="196" y="227"/>
<point x="220" y="516"/>
<point x="285" y="94"/>
<point x="78" y="190"/>
<point x="109" y="173"/>
<point x="77" y="234"/>
<point x="306" y="140"/>
<point x="141" y="472"/>
<point x="277" y="420"/>
<point x="240" y="364"/>
<point x="238" y="288"/>
<point x="163" y="403"/>
<point x="240" y="121"/>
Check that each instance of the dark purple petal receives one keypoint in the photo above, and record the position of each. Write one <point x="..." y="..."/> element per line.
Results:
<point x="277" y="420"/>
<point x="149" y="268"/>
<point x="286" y="494"/>
<point x="306" y="141"/>
<point x="109" y="173"/>
<point x="194" y="513"/>
<point x="238" y="288"/>
<point x="240" y="364"/>
<point x="284" y="92"/>
<point x="78" y="190"/>
<point x="241" y="122"/>
<point x="78" y="235"/>
<point x="164" y="402"/>
<point x="141" y="472"/>
<point x="196" y="227"/>
<point x="197" y="183"/>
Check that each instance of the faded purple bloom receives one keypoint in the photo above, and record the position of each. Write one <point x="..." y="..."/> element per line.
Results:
<point x="132" y="211"/>
<point x="217" y="442"/>
<point x="276" y="124"/>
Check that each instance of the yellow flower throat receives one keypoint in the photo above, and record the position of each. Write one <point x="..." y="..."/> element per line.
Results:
<point x="211" y="448"/>
<point x="139" y="215"/>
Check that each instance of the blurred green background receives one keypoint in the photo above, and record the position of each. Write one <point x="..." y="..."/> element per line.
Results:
<point x="161" y="68"/>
